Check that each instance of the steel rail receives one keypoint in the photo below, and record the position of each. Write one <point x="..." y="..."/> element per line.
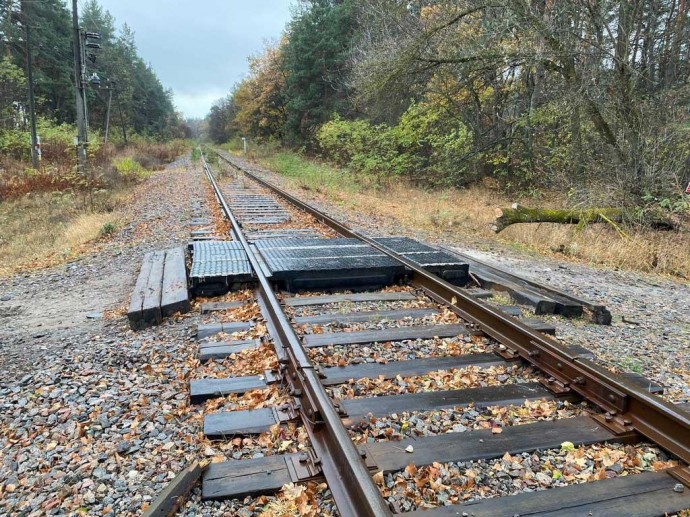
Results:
<point x="346" y="473"/>
<point x="628" y="408"/>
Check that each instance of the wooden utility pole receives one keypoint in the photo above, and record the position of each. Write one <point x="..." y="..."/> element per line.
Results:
<point x="107" y="115"/>
<point x="79" y="79"/>
<point x="122" y="119"/>
<point x="30" y="80"/>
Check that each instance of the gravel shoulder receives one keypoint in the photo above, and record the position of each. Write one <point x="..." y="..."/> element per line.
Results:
<point x="651" y="328"/>
<point x="95" y="418"/>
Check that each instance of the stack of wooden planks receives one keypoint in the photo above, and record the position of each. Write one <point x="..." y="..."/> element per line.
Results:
<point x="161" y="289"/>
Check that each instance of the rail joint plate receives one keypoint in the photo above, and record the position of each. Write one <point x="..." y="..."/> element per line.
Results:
<point x="555" y="386"/>
<point x="304" y="466"/>
<point x="616" y="424"/>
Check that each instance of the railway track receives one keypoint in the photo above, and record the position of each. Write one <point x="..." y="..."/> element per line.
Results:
<point x="359" y="367"/>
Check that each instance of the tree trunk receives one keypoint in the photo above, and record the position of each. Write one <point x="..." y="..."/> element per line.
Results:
<point x="520" y="214"/>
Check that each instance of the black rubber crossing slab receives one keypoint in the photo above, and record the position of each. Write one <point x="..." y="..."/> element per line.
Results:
<point x="485" y="445"/>
<point x="318" y="269"/>
<point x="359" y="317"/>
<point x="441" y="263"/>
<point x="204" y="389"/>
<point x="382" y="336"/>
<point x="303" y="301"/>
<point x="404" y="245"/>
<point x="310" y="243"/>
<point x="647" y="494"/>
<point x="218" y="265"/>
<point x="280" y="234"/>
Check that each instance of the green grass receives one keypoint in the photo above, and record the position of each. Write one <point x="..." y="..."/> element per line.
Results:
<point x="311" y="175"/>
<point x="631" y="365"/>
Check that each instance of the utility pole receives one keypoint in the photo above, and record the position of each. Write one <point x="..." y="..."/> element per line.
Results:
<point x="122" y="119"/>
<point x="79" y="78"/>
<point x="107" y="116"/>
<point x="30" y="78"/>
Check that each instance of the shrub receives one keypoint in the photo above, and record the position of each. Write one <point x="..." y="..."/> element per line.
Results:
<point x="107" y="229"/>
<point x="426" y="143"/>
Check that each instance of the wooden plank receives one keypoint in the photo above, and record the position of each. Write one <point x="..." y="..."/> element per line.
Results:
<point x="484" y="444"/>
<point x="542" y="304"/>
<point x="210" y="329"/>
<point x="512" y="310"/>
<point x="225" y="424"/>
<point x="303" y="301"/>
<point x="382" y="336"/>
<point x="341" y="374"/>
<point x="648" y="494"/>
<point x="541" y="326"/>
<point x="219" y="306"/>
<point x="503" y="395"/>
<point x="134" y="313"/>
<point x="643" y="382"/>
<point x="175" y="295"/>
<point x="204" y="389"/>
<point x="359" y="317"/>
<point x="248" y="343"/>
<point x="209" y="353"/>
<point x="170" y="500"/>
<point x="581" y="352"/>
<point x="151" y="306"/>
<point x="567" y="304"/>
<point x="241" y="478"/>
<point x="478" y="293"/>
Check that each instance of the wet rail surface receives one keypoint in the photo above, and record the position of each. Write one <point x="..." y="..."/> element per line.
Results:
<point x="358" y="367"/>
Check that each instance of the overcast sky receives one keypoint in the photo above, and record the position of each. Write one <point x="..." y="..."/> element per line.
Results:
<point x="199" y="48"/>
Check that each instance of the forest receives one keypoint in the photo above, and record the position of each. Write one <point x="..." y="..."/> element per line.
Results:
<point x="140" y="103"/>
<point x="50" y="209"/>
<point x="587" y="98"/>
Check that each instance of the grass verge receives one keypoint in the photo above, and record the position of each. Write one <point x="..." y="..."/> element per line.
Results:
<point x="52" y="215"/>
<point x="44" y="229"/>
<point x="459" y="214"/>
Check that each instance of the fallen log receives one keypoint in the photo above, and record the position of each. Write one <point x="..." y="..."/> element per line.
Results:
<point x="521" y="214"/>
